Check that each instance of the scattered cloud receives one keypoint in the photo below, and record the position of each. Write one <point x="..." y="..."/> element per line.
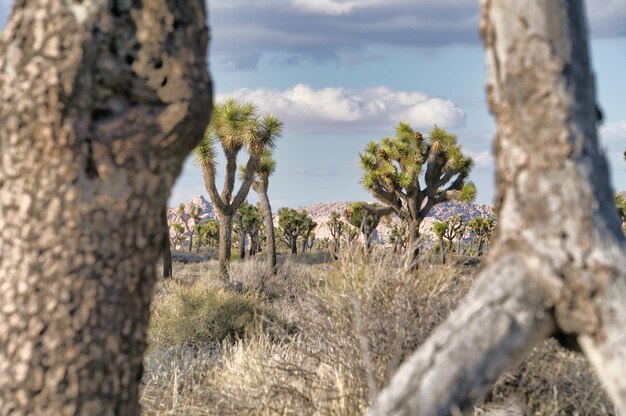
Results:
<point x="483" y="159"/>
<point x="340" y="110"/>
<point x="323" y="30"/>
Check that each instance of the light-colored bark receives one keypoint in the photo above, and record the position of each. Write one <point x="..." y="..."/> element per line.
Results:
<point x="101" y="103"/>
<point x="557" y="221"/>
<point x="260" y="187"/>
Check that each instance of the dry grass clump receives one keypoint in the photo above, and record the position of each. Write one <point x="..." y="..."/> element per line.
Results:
<point x="201" y="315"/>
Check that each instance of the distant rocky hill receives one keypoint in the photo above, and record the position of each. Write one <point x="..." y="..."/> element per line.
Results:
<point x="321" y="214"/>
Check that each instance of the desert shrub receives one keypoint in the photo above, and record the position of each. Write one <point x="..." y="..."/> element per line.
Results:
<point x="198" y="314"/>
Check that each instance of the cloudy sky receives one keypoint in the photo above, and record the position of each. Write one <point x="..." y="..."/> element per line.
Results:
<point x="340" y="73"/>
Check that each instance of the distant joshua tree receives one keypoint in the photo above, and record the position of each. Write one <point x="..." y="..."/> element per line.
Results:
<point x="249" y="221"/>
<point x="260" y="184"/>
<point x="447" y="231"/>
<point x="411" y="174"/>
<point x="337" y="228"/>
<point x="365" y="217"/>
<point x="179" y="234"/>
<point x="306" y="234"/>
<point x="397" y="236"/>
<point x="234" y="126"/>
<point x="293" y="225"/>
<point x="482" y="228"/>
<point x="166" y="256"/>
<point x="189" y="220"/>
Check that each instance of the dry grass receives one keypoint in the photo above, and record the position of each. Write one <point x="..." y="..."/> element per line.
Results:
<point x="322" y="339"/>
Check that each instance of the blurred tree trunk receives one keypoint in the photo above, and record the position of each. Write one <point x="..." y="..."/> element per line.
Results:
<point x="101" y="103"/>
<point x="268" y="221"/>
<point x="558" y="266"/>
<point x="167" y="249"/>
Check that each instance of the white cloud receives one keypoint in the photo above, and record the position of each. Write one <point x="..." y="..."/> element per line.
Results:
<point x="614" y="131"/>
<point x="341" y="110"/>
<point x="483" y="159"/>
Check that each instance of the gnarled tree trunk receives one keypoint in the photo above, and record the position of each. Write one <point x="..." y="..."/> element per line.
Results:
<point x="559" y="262"/>
<point x="101" y="103"/>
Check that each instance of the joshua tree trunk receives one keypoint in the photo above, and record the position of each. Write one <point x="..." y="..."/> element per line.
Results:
<point x="558" y="265"/>
<point x="413" y="248"/>
<point x="266" y="209"/>
<point x="101" y="103"/>
<point x="481" y="242"/>
<point x="166" y="248"/>
<point x="242" y="242"/>
<point x="226" y="231"/>
<point x="190" y="240"/>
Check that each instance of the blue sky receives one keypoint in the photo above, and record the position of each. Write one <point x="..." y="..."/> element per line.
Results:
<point x="343" y="72"/>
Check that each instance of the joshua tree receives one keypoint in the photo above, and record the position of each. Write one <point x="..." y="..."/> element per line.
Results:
<point x="179" y="234"/>
<point x="166" y="248"/>
<point x="337" y="228"/>
<point x="447" y="231"/>
<point x="482" y="229"/>
<point x="365" y="217"/>
<point x="292" y="225"/>
<point x="190" y="220"/>
<point x="250" y="223"/>
<point x="208" y="234"/>
<point x="351" y="235"/>
<point x="306" y="232"/>
<point x="102" y="101"/>
<point x="234" y="126"/>
<point x="411" y="174"/>
<point x="397" y="236"/>
<point x="260" y="184"/>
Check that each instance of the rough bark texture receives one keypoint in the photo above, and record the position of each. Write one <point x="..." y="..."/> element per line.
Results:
<point x="557" y="221"/>
<point x="101" y="102"/>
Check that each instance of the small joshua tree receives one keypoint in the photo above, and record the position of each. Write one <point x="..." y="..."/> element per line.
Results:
<point x="166" y="255"/>
<point x="411" y="174"/>
<point x="397" y="236"/>
<point x="365" y="217"/>
<point x="481" y="228"/>
<point x="337" y="228"/>
<point x="250" y="223"/>
<point x="190" y="219"/>
<point x="179" y="234"/>
<point x="260" y="184"/>
<point x="292" y="224"/>
<point x="447" y="231"/>
<point x="234" y="126"/>
<point x="306" y="233"/>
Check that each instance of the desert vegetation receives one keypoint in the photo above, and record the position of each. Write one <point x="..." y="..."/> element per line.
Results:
<point x="258" y="311"/>
<point x="323" y="337"/>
